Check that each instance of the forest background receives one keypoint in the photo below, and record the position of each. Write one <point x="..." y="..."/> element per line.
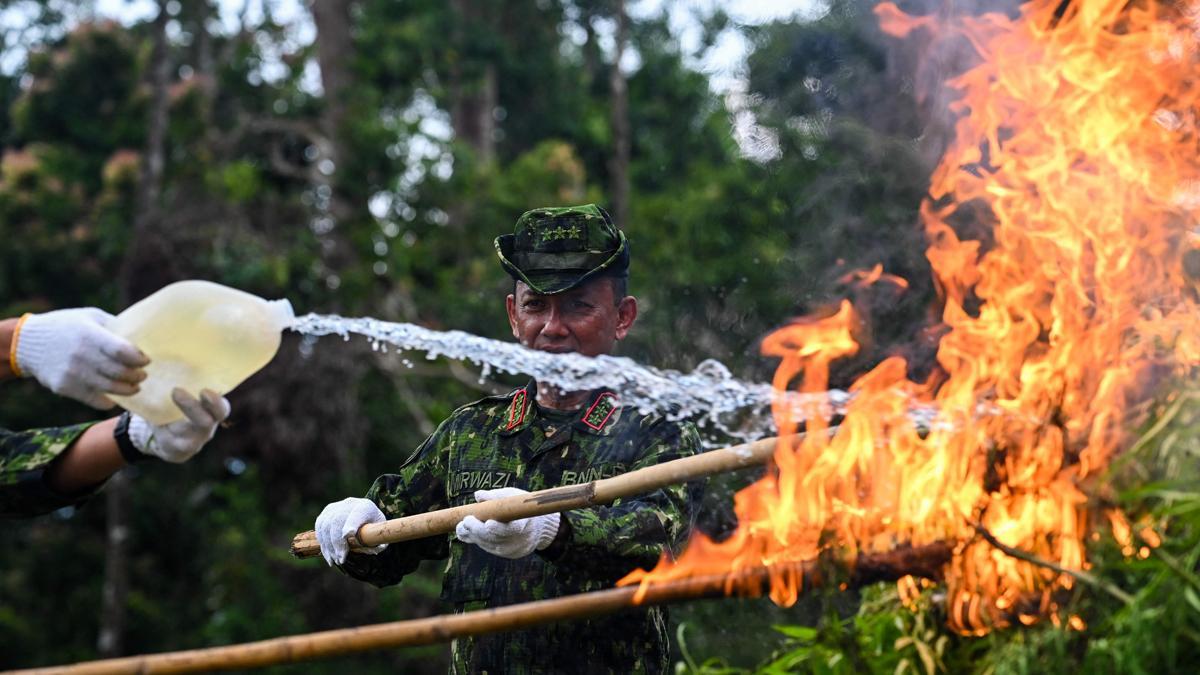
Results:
<point x="365" y="171"/>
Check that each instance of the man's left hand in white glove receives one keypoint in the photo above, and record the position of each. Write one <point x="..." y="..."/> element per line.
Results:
<point x="508" y="540"/>
<point x="177" y="442"/>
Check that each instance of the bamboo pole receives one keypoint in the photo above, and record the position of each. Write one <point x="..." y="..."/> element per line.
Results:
<point x="925" y="561"/>
<point x="553" y="500"/>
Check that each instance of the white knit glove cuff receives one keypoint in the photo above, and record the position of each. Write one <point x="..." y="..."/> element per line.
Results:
<point x="141" y="433"/>
<point x="35" y="346"/>
<point x="547" y="530"/>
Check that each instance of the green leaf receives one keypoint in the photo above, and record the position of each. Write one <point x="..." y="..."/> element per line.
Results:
<point x="805" y="633"/>
<point x="1189" y="594"/>
<point x="926" y="655"/>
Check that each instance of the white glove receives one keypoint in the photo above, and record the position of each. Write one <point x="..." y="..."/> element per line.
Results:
<point x="72" y="354"/>
<point x="508" y="540"/>
<point x="177" y="441"/>
<point x="342" y="519"/>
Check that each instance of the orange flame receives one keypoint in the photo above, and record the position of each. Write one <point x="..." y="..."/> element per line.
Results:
<point x="1078" y="129"/>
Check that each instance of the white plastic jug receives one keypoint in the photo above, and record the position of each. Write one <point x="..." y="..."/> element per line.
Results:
<point x="198" y="335"/>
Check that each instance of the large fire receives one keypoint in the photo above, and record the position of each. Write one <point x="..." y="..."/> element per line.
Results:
<point x="1078" y="129"/>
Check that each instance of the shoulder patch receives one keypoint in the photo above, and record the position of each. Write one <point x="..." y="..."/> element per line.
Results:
<point x="600" y="412"/>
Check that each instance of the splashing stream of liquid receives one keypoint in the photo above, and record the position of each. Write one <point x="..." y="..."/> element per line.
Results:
<point x="709" y="395"/>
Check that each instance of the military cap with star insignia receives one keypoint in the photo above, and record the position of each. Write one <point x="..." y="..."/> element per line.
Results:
<point x="554" y="249"/>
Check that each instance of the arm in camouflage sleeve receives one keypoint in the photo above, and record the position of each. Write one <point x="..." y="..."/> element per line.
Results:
<point x="418" y="486"/>
<point x="31" y="463"/>
<point x="607" y="542"/>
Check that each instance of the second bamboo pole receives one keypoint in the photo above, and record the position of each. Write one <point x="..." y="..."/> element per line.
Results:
<point x="923" y="561"/>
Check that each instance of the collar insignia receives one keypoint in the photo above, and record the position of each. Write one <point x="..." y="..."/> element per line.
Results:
<point x="600" y="412"/>
<point x="516" y="412"/>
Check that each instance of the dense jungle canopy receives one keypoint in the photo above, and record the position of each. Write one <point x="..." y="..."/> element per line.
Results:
<point x="359" y="159"/>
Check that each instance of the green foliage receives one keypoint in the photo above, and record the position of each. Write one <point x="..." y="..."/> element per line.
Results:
<point x="96" y="115"/>
<point x="239" y="181"/>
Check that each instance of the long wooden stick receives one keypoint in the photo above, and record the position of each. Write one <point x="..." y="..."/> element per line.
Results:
<point x="925" y="561"/>
<point x="553" y="500"/>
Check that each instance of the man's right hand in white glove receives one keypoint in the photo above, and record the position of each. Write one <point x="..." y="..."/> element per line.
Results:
<point x="71" y="352"/>
<point x="106" y="447"/>
<point x="178" y="441"/>
<point x="342" y="519"/>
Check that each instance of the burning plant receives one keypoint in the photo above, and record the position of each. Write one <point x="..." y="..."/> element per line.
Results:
<point x="1076" y="132"/>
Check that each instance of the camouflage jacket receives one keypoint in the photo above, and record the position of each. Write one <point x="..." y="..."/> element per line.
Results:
<point x="509" y="441"/>
<point x="24" y="457"/>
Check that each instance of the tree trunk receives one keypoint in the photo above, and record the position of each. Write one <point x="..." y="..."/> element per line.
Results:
<point x="143" y="270"/>
<point x="590" y="49"/>
<point x="154" y="162"/>
<point x="618" y="163"/>
<point x="346" y="205"/>
<point x="111" y="639"/>
<point x="148" y="263"/>
<point x="335" y="53"/>
<point x="472" y="112"/>
<point x="206" y="67"/>
<point x="473" y="98"/>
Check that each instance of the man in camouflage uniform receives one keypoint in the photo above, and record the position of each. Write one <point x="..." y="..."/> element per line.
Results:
<point x="570" y="267"/>
<point x="72" y="353"/>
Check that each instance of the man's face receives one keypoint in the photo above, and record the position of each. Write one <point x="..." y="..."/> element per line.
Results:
<point x="586" y="319"/>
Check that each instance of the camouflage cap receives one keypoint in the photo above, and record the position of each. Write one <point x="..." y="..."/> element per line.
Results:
<point x="557" y="248"/>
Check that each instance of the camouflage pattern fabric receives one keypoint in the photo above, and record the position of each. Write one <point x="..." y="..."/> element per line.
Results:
<point x="24" y="457"/>
<point x="508" y="441"/>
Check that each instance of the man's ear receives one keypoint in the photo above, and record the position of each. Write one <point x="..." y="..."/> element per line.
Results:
<point x="510" y="303"/>
<point x="627" y="311"/>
